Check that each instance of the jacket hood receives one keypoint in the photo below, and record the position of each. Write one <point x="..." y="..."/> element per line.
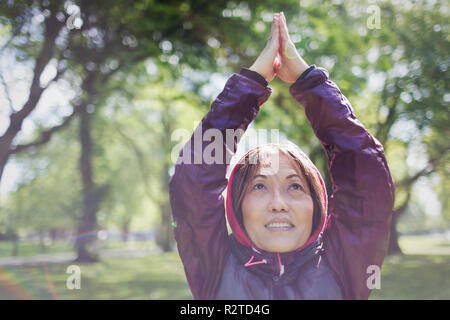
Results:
<point x="241" y="236"/>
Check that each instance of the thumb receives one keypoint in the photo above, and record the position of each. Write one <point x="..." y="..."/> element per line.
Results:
<point x="276" y="64"/>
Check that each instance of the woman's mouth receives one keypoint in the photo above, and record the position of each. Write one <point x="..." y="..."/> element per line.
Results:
<point x="279" y="226"/>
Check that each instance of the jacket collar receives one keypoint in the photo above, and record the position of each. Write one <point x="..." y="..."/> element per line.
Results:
<point x="273" y="264"/>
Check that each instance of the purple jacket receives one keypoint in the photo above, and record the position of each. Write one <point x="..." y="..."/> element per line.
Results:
<point x="336" y="261"/>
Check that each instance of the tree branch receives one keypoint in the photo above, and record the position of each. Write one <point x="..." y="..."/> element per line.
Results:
<point x="53" y="26"/>
<point x="46" y="135"/>
<point x="402" y="208"/>
<point x="384" y="128"/>
<point x="429" y="169"/>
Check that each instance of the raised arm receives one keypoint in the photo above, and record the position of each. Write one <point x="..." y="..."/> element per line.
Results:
<point x="200" y="175"/>
<point x="362" y="187"/>
<point x="362" y="198"/>
<point x="196" y="189"/>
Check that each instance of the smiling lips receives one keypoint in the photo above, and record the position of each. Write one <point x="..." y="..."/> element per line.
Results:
<point x="279" y="225"/>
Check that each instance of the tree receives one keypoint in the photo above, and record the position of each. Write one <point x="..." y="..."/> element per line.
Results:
<point x="412" y="87"/>
<point x="111" y="38"/>
<point x="414" y="90"/>
<point x="192" y="40"/>
<point x="46" y="198"/>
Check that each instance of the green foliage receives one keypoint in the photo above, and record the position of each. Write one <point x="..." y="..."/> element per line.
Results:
<point x="166" y="54"/>
<point x="48" y="193"/>
<point x="406" y="107"/>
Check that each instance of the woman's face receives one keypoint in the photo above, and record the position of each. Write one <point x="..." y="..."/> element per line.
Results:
<point x="277" y="207"/>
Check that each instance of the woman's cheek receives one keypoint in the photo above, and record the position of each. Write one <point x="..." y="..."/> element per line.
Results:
<point x="254" y="200"/>
<point x="253" y="211"/>
<point x="310" y="211"/>
<point x="253" y="208"/>
<point x="305" y="208"/>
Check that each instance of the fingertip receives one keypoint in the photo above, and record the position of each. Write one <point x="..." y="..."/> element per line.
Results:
<point x="276" y="20"/>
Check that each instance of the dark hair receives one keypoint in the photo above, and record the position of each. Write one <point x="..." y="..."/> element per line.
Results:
<point x="260" y="156"/>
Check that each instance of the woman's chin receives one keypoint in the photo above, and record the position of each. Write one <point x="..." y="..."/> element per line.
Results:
<point x="281" y="247"/>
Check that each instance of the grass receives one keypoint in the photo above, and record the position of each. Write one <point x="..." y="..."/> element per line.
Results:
<point x="423" y="273"/>
<point x="421" y="277"/>
<point x="159" y="276"/>
<point x="28" y="248"/>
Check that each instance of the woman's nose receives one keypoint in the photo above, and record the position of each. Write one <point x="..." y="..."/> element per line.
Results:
<point x="278" y="202"/>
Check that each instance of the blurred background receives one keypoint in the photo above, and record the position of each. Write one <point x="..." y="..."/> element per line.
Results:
<point x="93" y="95"/>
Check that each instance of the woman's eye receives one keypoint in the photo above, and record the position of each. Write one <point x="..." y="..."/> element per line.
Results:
<point x="297" y="186"/>
<point x="258" y="186"/>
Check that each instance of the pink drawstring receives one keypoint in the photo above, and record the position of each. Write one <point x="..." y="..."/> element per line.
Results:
<point x="250" y="263"/>
<point x="280" y="265"/>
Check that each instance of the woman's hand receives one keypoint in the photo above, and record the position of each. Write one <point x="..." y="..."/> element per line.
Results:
<point x="290" y="64"/>
<point x="268" y="62"/>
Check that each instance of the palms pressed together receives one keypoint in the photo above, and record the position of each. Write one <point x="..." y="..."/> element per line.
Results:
<point x="279" y="57"/>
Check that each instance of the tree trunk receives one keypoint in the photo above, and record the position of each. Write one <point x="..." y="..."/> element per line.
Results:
<point x="125" y="231"/>
<point x="394" y="247"/>
<point x="164" y="238"/>
<point x="86" y="241"/>
<point x="15" y="247"/>
<point x="5" y="148"/>
<point x="42" y="246"/>
<point x="4" y="156"/>
<point x="53" y="234"/>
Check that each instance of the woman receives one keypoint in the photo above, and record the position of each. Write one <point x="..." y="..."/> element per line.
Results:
<point x="283" y="244"/>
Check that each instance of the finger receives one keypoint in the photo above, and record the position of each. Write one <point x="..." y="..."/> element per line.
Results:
<point x="283" y="17"/>
<point x="283" y="37"/>
<point x="280" y="39"/>
<point x="273" y="41"/>
<point x="274" y="31"/>
<point x="283" y="28"/>
<point x="274" y="21"/>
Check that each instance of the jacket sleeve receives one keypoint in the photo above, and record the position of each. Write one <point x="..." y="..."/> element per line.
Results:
<point x="199" y="179"/>
<point x="362" y="199"/>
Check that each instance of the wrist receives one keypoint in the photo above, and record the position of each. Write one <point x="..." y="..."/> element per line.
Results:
<point x="254" y="76"/>
<point x="301" y="67"/>
<point x="253" y="68"/>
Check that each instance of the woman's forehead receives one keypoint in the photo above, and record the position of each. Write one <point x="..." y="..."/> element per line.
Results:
<point x="279" y="164"/>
